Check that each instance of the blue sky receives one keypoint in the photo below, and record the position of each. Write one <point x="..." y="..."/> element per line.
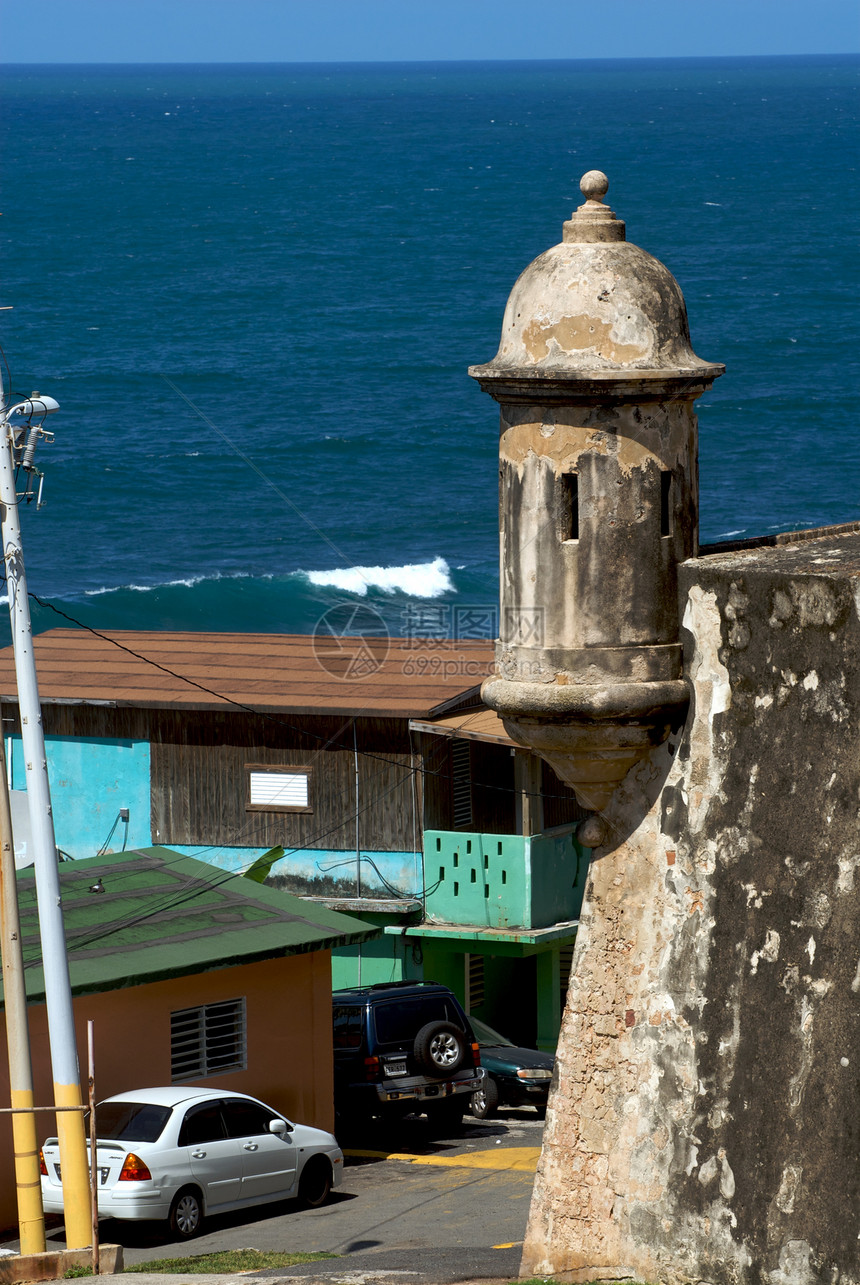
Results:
<point x="75" y="31"/>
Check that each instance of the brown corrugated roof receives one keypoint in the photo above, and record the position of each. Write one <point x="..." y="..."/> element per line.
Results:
<point x="475" y="725"/>
<point x="269" y="672"/>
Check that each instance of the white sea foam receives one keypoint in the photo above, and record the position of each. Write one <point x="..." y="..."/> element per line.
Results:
<point x="144" y="588"/>
<point x="188" y="583"/>
<point x="416" y="580"/>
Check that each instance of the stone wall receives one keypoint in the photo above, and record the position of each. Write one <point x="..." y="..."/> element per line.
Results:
<point x="705" y="1121"/>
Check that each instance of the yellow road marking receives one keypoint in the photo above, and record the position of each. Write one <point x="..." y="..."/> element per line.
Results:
<point x="509" y="1244"/>
<point x="520" y="1159"/>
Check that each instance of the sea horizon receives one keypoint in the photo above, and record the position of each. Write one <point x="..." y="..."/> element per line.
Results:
<point x="255" y="290"/>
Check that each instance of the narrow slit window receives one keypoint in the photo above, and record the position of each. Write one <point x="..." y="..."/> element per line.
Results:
<point x="441" y="874"/>
<point x="474" y="876"/>
<point x="565" y="963"/>
<point x="474" y="982"/>
<point x="456" y="889"/>
<point x="570" y="506"/>
<point x="461" y="764"/>
<point x="665" y="504"/>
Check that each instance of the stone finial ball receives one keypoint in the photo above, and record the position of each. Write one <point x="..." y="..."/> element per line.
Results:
<point x="593" y="832"/>
<point x="594" y="185"/>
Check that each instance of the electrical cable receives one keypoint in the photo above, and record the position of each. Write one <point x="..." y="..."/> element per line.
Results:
<point x="103" y="849"/>
<point x="199" y="888"/>
<point x="272" y="718"/>
<point x="411" y="772"/>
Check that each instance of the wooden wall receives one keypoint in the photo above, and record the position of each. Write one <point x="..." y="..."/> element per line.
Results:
<point x="559" y="801"/>
<point x="435" y="754"/>
<point x="199" y="779"/>
<point x="199" y="795"/>
<point x="493" y="800"/>
<point x="493" y="796"/>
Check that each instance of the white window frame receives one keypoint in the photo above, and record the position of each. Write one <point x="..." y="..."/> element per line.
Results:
<point x="291" y="773"/>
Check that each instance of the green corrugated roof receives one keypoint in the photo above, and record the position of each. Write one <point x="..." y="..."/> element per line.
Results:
<point x="164" y="915"/>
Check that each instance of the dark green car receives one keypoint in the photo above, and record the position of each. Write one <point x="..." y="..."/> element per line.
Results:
<point x="516" y="1077"/>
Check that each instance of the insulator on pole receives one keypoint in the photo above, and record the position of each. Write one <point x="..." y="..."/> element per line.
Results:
<point x="30" y="449"/>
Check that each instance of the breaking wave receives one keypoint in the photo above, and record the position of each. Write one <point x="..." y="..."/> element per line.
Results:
<point x="416" y="580"/>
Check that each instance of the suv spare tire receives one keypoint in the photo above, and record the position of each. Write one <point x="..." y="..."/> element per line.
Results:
<point x="440" y="1048"/>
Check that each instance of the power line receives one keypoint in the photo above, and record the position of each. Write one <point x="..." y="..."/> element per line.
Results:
<point x="272" y="718"/>
<point x="176" y="900"/>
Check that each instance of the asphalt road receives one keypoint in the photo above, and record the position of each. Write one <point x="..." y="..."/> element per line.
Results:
<point x="413" y="1209"/>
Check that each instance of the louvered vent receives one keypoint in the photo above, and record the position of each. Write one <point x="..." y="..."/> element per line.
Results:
<point x="278" y="789"/>
<point x="461" y="770"/>
<point x="474" y="982"/>
<point x="207" y="1040"/>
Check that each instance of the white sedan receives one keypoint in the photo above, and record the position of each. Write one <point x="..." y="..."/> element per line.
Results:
<point x="183" y="1153"/>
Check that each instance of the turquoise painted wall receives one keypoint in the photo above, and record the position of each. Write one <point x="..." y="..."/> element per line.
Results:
<point x="318" y="865"/>
<point x="476" y="878"/>
<point x="91" y="779"/>
<point x="504" y="880"/>
<point x="557" y="867"/>
<point x="392" y="958"/>
<point x="445" y="962"/>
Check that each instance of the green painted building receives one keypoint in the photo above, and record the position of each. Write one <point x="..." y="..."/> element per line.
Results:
<point x="498" y="917"/>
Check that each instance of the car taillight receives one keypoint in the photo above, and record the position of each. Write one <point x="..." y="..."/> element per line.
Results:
<point x="476" y="1055"/>
<point x="134" y="1170"/>
<point x="371" y="1068"/>
<point x="43" y="1168"/>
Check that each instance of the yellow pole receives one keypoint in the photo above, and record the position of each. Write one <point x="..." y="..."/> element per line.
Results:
<point x="77" y="1210"/>
<point x="31" y="1220"/>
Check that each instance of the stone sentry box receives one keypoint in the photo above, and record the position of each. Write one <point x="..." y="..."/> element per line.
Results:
<point x="703" y="1124"/>
<point x="598" y="501"/>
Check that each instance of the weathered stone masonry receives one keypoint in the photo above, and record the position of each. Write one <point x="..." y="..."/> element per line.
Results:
<point x="704" y="1124"/>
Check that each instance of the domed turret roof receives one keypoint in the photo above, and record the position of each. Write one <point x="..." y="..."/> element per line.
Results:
<point x="593" y="307"/>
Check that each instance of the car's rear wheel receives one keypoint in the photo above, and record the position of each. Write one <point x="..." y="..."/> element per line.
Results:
<point x="440" y="1048"/>
<point x="315" y="1182"/>
<point x="186" y="1214"/>
<point x="485" y="1101"/>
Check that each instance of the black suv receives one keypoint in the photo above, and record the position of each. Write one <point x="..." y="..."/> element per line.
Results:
<point x="402" y="1047"/>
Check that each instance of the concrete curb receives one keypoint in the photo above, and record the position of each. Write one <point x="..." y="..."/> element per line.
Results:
<point x="54" y="1263"/>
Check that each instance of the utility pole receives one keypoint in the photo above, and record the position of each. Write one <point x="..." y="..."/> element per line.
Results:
<point x="17" y="446"/>
<point x="31" y="1220"/>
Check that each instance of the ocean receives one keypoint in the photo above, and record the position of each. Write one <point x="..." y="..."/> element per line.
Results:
<point x="255" y="291"/>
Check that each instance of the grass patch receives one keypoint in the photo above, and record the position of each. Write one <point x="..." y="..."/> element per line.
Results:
<point x="228" y="1260"/>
